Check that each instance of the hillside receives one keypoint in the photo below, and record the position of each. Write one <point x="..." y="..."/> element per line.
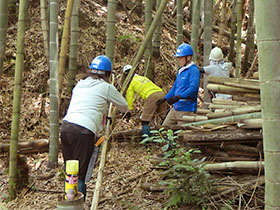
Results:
<point x="128" y="164"/>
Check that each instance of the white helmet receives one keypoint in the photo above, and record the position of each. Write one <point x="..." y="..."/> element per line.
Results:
<point x="126" y="68"/>
<point x="216" y="54"/>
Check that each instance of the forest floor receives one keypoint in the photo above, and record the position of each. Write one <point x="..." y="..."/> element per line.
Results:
<point x="127" y="165"/>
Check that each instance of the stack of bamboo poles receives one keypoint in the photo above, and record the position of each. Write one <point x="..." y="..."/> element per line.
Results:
<point x="244" y="106"/>
<point x="229" y="130"/>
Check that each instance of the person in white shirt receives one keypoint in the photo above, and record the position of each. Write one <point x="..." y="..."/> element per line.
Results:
<point x="218" y="68"/>
<point x="87" y="108"/>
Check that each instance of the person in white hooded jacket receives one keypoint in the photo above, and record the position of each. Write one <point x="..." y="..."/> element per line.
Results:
<point x="217" y="68"/>
<point x="83" y="120"/>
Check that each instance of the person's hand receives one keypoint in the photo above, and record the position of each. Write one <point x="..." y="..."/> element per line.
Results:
<point x="173" y="100"/>
<point x="201" y="69"/>
<point x="128" y="116"/>
<point x="160" y="101"/>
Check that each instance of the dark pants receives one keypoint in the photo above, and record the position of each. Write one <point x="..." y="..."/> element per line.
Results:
<point x="77" y="144"/>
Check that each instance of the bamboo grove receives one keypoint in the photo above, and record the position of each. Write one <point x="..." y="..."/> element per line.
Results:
<point x="202" y="19"/>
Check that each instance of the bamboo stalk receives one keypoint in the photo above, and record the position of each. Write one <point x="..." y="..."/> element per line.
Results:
<point x="104" y="146"/>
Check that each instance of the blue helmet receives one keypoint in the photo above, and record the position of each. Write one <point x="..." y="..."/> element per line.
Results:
<point x="101" y="62"/>
<point x="184" y="50"/>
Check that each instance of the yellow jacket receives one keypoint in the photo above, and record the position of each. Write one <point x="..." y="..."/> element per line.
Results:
<point x="142" y="86"/>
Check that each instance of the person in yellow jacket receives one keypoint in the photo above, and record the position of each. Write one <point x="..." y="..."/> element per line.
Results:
<point x="150" y="93"/>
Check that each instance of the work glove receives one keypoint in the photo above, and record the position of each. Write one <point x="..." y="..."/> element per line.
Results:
<point x="160" y="101"/>
<point x="173" y="99"/>
<point x="128" y="116"/>
<point x="201" y="69"/>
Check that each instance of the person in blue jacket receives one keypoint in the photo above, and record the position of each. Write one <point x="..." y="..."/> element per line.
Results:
<point x="183" y="94"/>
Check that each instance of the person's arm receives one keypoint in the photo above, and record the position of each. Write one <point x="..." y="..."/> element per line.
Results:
<point x="117" y="99"/>
<point x="201" y="69"/>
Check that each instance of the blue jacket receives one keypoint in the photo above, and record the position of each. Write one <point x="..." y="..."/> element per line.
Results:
<point x="186" y="85"/>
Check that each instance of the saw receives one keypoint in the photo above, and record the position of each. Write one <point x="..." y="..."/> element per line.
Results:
<point x="93" y="158"/>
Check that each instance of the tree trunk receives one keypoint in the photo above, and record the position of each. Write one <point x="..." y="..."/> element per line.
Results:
<point x="139" y="8"/>
<point x="222" y="24"/>
<point x="74" y="38"/>
<point x="45" y="28"/>
<point x="54" y="112"/>
<point x="64" y="45"/>
<point x="148" y="52"/>
<point x="17" y="97"/>
<point x="250" y="46"/>
<point x="157" y="37"/>
<point x="233" y="31"/>
<point x="268" y="36"/>
<point x="3" y="31"/>
<point x="111" y="29"/>
<point x="179" y="22"/>
<point x="208" y="16"/>
<point x="195" y="28"/>
<point x="238" y="38"/>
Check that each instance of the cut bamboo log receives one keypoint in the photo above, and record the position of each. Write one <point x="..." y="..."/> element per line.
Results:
<point x="216" y="115"/>
<point x="194" y="118"/>
<point x="223" y="80"/>
<point x="227" y="102"/>
<point x="246" y="86"/>
<point x="203" y="111"/>
<point x="246" y="109"/>
<point x="220" y="136"/>
<point x="153" y="187"/>
<point x="234" y="102"/>
<point x="256" y="75"/>
<point x="235" y="111"/>
<point x="250" y="124"/>
<point x="217" y="88"/>
<point x="223" y="120"/>
<point x="223" y="106"/>
<point x="238" y="165"/>
<point x="36" y="144"/>
<point x="247" y="98"/>
<point x="238" y="147"/>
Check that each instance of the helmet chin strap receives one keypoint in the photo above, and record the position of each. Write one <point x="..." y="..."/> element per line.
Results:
<point x="188" y="61"/>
